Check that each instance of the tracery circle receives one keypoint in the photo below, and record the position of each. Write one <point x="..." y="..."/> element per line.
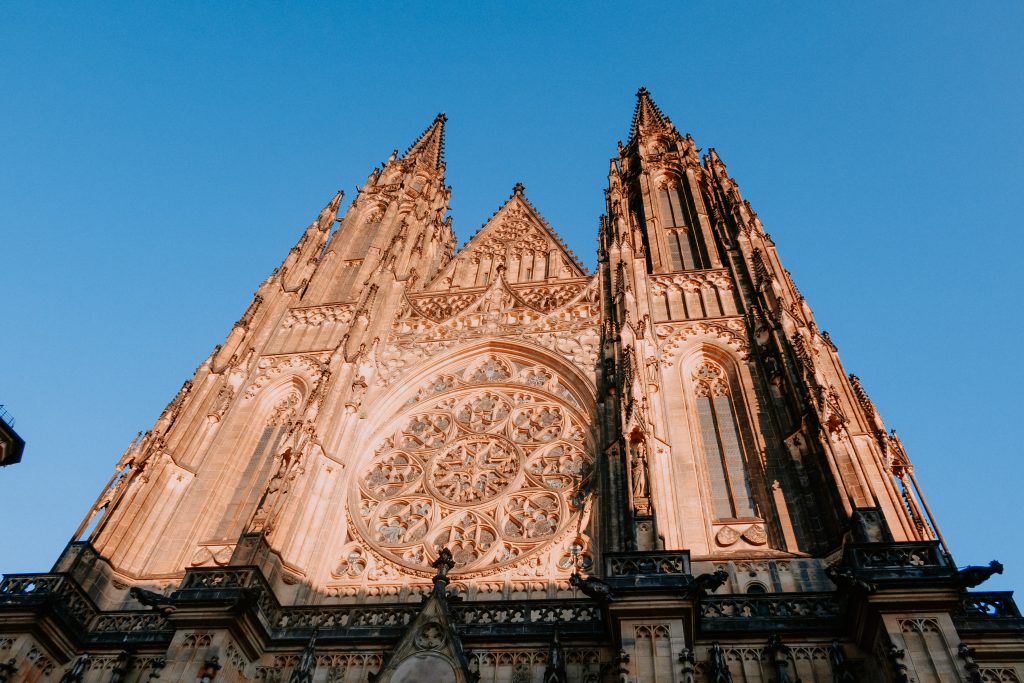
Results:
<point x="492" y="473"/>
<point x="473" y="469"/>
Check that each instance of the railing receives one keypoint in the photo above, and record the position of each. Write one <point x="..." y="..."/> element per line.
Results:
<point x="770" y="612"/>
<point x="528" y="616"/>
<point x="988" y="611"/>
<point x="56" y="590"/>
<point x="579" y="616"/>
<point x="647" y="563"/>
<point x="880" y="561"/>
<point x="6" y="416"/>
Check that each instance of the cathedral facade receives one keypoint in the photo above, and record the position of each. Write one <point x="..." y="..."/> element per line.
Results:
<point x="408" y="462"/>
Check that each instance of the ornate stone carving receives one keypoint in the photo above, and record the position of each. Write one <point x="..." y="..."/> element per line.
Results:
<point x="729" y="332"/>
<point x="311" y="368"/>
<point x="491" y="475"/>
<point x="315" y="316"/>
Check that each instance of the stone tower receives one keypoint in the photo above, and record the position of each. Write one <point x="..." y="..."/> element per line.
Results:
<point x="411" y="463"/>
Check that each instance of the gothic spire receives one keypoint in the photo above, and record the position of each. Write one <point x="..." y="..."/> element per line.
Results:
<point x="429" y="147"/>
<point x="647" y="115"/>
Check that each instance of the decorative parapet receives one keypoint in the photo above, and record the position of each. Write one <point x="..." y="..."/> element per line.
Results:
<point x="988" y="611"/>
<point x="366" y="621"/>
<point x="898" y="561"/>
<point x="246" y="585"/>
<point x="58" y="591"/>
<point x="648" y="571"/>
<point x="64" y="599"/>
<point x="771" y="612"/>
<point x="645" y="564"/>
<point x="580" y="617"/>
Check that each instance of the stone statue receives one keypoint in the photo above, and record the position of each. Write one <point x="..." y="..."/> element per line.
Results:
<point x="75" y="673"/>
<point x="719" y="670"/>
<point x="306" y="666"/>
<point x="840" y="666"/>
<point x="554" y="672"/>
<point x="778" y="655"/>
<point x="689" y="666"/>
<point x="121" y="666"/>
<point x="641" y="486"/>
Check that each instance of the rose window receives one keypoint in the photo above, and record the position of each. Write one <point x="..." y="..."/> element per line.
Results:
<point x="492" y="476"/>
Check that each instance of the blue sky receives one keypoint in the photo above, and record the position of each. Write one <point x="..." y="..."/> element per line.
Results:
<point x="158" y="161"/>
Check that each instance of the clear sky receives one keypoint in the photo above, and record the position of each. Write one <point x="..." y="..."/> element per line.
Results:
<point x="158" y="160"/>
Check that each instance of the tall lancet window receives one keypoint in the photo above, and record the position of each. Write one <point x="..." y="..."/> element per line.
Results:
<point x="681" y="235"/>
<point x="720" y="436"/>
<point x="258" y="467"/>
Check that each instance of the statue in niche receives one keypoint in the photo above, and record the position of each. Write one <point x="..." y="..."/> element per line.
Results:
<point x="640" y="474"/>
<point x="276" y="489"/>
<point x="222" y="403"/>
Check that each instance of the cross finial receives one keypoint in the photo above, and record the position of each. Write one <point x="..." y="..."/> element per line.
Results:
<point x="518" y="189"/>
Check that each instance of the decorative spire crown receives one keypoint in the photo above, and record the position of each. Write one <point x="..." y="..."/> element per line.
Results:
<point x="647" y="115"/>
<point x="429" y="146"/>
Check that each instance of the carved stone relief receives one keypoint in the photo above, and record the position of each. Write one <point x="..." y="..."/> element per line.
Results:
<point x="730" y="332"/>
<point x="494" y="474"/>
<point x="315" y="316"/>
<point x="269" y="368"/>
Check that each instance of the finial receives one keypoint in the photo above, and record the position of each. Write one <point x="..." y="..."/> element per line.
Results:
<point x="429" y="146"/>
<point x="443" y="564"/>
<point x="518" y="189"/>
<point x="647" y="115"/>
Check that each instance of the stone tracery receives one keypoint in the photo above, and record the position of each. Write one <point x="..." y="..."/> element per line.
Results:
<point x="493" y="473"/>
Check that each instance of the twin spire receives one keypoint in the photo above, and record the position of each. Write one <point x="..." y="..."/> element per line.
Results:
<point x="429" y="146"/>
<point x="647" y="116"/>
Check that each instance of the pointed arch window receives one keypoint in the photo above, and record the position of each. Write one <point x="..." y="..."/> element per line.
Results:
<point x="681" y="234"/>
<point x="258" y="467"/>
<point x="720" y="438"/>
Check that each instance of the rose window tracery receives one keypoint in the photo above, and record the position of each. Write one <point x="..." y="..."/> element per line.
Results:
<point x="495" y="475"/>
<point x="473" y="470"/>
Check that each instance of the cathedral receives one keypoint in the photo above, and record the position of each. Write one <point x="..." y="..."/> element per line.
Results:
<point x="409" y="462"/>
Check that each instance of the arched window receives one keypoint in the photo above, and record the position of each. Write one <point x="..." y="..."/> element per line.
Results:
<point x="679" y="231"/>
<point x="720" y="437"/>
<point x="258" y="467"/>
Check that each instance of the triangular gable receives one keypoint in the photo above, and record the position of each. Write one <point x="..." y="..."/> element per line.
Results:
<point x="517" y="243"/>
<point x="430" y="651"/>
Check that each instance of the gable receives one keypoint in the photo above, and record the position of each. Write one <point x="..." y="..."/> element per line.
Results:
<point x="516" y="244"/>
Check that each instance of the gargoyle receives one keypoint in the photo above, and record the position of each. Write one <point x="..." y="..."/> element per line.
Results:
<point x="160" y="603"/>
<point x="969" y="577"/>
<point x="846" y="580"/>
<point x="595" y="589"/>
<point x="707" y="583"/>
